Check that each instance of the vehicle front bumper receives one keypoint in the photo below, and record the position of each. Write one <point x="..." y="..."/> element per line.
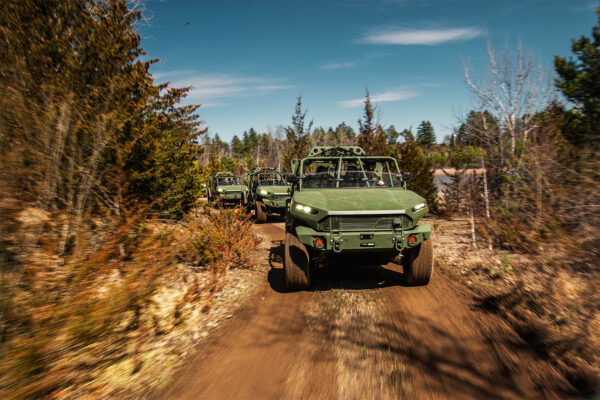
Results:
<point x="364" y="241"/>
<point x="230" y="197"/>
<point x="275" y="204"/>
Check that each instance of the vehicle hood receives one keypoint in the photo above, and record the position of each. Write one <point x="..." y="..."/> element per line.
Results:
<point x="362" y="199"/>
<point x="274" y="189"/>
<point x="232" y="188"/>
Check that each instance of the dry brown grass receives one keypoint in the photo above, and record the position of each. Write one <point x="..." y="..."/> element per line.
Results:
<point x="74" y="326"/>
<point x="553" y="307"/>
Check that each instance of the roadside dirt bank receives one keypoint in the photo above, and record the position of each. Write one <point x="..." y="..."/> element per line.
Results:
<point x="359" y="333"/>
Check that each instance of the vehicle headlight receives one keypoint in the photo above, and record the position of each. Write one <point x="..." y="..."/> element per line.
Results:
<point x="306" y="209"/>
<point x="263" y="192"/>
<point x="219" y="189"/>
<point x="418" y="207"/>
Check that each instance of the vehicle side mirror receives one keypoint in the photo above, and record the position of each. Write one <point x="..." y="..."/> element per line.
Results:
<point x="406" y="176"/>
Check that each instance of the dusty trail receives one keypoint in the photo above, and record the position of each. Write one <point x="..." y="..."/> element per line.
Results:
<point x="360" y="334"/>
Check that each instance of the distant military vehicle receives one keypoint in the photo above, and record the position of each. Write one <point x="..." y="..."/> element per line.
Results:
<point x="225" y="188"/>
<point x="347" y="203"/>
<point x="268" y="193"/>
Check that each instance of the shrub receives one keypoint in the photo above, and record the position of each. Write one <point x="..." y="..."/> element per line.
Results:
<point x="65" y="318"/>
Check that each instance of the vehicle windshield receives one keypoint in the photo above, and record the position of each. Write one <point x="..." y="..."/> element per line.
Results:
<point x="272" y="180"/>
<point x="228" y="181"/>
<point x="351" y="173"/>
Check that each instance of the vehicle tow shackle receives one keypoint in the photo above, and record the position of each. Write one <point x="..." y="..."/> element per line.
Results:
<point x="337" y="244"/>
<point x="398" y="242"/>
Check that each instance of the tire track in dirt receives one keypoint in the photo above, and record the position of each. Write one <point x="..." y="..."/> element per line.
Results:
<point x="360" y="334"/>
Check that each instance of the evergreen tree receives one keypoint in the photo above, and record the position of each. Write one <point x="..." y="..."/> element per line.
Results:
<point x="297" y="137"/>
<point x="237" y="147"/>
<point x="426" y="134"/>
<point x="480" y="129"/>
<point x="370" y="138"/>
<point x="579" y="80"/>
<point x="392" y="135"/>
<point x="82" y="119"/>
<point x="411" y="159"/>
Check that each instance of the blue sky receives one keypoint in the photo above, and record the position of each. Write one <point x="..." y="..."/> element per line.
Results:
<point x="249" y="60"/>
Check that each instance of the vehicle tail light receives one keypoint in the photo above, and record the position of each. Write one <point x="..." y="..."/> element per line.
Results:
<point x="319" y="242"/>
<point x="412" y="239"/>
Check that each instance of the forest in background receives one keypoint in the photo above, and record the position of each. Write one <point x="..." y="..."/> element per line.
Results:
<point x="101" y="169"/>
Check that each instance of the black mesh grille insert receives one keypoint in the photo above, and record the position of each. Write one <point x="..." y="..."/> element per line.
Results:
<point x="366" y="223"/>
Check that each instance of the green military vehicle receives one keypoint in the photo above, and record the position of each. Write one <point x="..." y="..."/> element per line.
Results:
<point x="268" y="193"/>
<point x="347" y="203"/>
<point x="225" y="188"/>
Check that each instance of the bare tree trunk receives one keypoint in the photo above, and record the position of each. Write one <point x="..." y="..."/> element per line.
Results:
<point x="473" y="237"/>
<point x="486" y="195"/>
<point x="62" y="127"/>
<point x="90" y="173"/>
<point x="69" y="187"/>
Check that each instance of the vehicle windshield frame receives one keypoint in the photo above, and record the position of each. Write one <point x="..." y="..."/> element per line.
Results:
<point x="389" y="167"/>
<point x="277" y="177"/>
<point x="233" y="181"/>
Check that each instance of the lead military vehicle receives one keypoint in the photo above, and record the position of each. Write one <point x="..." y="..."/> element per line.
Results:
<point x="225" y="188"/>
<point x="346" y="203"/>
<point x="268" y="193"/>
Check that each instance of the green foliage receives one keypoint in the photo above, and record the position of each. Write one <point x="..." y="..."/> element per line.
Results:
<point x="297" y="137"/>
<point x="579" y="81"/>
<point x="479" y="129"/>
<point x="392" y="135"/>
<point x="83" y="121"/>
<point x="372" y="138"/>
<point x="160" y="153"/>
<point x="426" y="134"/>
<point x="411" y="159"/>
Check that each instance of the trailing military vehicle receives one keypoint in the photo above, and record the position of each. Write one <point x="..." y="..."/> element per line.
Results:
<point x="268" y="193"/>
<point x="347" y="203"/>
<point x="225" y="188"/>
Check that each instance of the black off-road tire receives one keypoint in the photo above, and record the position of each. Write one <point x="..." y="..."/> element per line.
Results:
<point x="244" y="202"/>
<point x="296" y="264"/>
<point x="418" y="263"/>
<point x="261" y="214"/>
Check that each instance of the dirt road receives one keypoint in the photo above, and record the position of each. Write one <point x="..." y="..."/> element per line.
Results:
<point x="360" y="334"/>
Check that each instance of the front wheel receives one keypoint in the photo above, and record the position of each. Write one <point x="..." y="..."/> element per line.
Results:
<point x="296" y="263"/>
<point x="261" y="214"/>
<point x="418" y="263"/>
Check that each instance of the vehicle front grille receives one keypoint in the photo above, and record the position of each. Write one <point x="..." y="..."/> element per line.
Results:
<point x="365" y="223"/>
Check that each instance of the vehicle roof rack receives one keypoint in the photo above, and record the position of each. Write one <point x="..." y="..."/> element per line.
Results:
<point x="332" y="151"/>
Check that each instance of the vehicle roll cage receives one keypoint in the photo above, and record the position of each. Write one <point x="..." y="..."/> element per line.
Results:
<point x="337" y="155"/>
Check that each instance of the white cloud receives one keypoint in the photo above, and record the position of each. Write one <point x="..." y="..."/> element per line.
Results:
<point x="208" y="87"/>
<point x="420" y="36"/>
<point x="339" y="65"/>
<point x="389" y="95"/>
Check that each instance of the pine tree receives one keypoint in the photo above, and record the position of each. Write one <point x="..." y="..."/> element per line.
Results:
<point x="579" y="80"/>
<point x="411" y="159"/>
<point x="297" y="137"/>
<point x="426" y="134"/>
<point x="392" y="135"/>
<point x="370" y="138"/>
<point x="78" y="101"/>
